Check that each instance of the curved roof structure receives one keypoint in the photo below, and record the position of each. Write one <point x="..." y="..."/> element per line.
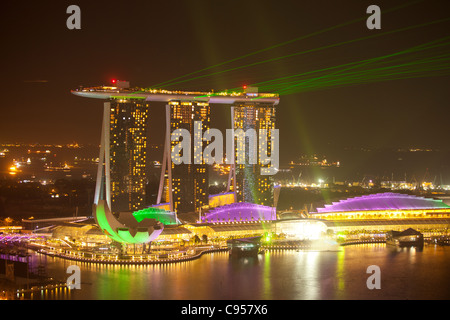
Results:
<point x="161" y="215"/>
<point x="240" y="211"/>
<point x="126" y="229"/>
<point x="384" y="201"/>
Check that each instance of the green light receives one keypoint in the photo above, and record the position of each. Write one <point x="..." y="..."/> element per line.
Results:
<point x="139" y="237"/>
<point x="267" y="237"/>
<point x="355" y="40"/>
<point x="315" y="50"/>
<point x="415" y="68"/>
<point x="100" y="215"/>
<point x="375" y="76"/>
<point x="122" y="234"/>
<point x="161" y="215"/>
<point x="173" y="81"/>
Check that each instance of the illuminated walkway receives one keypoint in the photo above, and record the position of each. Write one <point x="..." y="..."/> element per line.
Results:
<point x="133" y="260"/>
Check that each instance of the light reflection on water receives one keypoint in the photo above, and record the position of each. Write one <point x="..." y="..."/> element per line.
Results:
<point x="287" y="275"/>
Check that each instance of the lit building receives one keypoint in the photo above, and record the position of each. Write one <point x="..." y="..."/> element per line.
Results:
<point x="129" y="228"/>
<point x="190" y="182"/>
<point x="251" y="185"/>
<point x="120" y="190"/>
<point x="86" y="235"/>
<point x="221" y="199"/>
<point x="240" y="212"/>
<point x="384" y="206"/>
<point x="382" y="212"/>
<point x="128" y="143"/>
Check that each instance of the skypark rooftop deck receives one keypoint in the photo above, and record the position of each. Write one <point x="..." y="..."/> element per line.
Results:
<point x="160" y="95"/>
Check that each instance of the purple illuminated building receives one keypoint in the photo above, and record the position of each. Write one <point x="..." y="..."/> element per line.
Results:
<point x="238" y="212"/>
<point x="384" y="201"/>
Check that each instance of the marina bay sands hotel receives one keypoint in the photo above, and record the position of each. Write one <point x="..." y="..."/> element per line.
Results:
<point x="122" y="176"/>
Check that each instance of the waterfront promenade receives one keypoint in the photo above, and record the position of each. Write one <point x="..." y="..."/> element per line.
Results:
<point x="187" y="255"/>
<point x="139" y="259"/>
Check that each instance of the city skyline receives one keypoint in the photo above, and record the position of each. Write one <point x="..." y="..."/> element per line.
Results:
<point x="252" y="150"/>
<point x="47" y="60"/>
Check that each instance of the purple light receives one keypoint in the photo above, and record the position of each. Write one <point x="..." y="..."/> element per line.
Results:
<point x="241" y="211"/>
<point x="384" y="201"/>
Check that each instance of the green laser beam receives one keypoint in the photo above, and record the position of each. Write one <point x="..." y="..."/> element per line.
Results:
<point x="370" y="81"/>
<point x="171" y="82"/>
<point x="275" y="83"/>
<point x="318" y="49"/>
<point x="369" y="61"/>
<point x="432" y="44"/>
<point x="316" y="88"/>
<point x="423" y="72"/>
<point x="374" y="75"/>
<point x="376" y="72"/>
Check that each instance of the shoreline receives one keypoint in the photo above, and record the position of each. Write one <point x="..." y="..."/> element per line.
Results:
<point x="133" y="262"/>
<point x="199" y="254"/>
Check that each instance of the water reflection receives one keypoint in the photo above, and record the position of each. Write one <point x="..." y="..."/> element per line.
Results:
<point x="306" y="275"/>
<point x="267" y="292"/>
<point x="406" y="274"/>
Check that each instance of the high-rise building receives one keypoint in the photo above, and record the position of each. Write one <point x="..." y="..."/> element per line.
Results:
<point x="128" y="155"/>
<point x="190" y="182"/>
<point x="251" y="185"/>
<point x="121" y="175"/>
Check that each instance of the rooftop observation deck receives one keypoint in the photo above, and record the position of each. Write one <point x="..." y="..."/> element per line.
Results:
<point x="160" y="95"/>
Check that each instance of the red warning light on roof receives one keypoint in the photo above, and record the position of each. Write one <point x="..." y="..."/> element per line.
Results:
<point x="113" y="80"/>
<point x="245" y="87"/>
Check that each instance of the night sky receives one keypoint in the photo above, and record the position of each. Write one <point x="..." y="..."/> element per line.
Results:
<point x="147" y="42"/>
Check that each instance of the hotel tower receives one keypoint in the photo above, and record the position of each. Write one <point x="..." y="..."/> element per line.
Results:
<point x="121" y="176"/>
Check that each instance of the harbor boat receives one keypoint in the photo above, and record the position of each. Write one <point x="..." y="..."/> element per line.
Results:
<point x="406" y="238"/>
<point x="244" y="246"/>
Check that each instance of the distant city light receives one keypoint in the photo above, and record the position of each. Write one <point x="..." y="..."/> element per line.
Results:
<point x="12" y="170"/>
